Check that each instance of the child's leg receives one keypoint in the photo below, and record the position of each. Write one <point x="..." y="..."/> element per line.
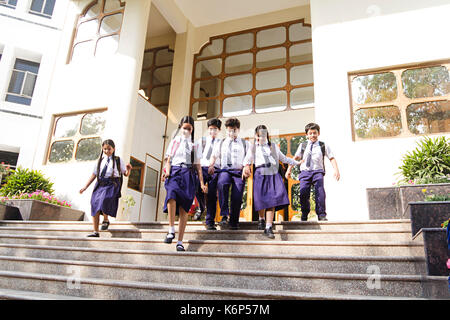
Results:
<point x="261" y="213"/>
<point x="305" y="192"/>
<point x="237" y="190"/>
<point x="96" y="221"/>
<point x="211" y="202"/>
<point x="223" y="187"/>
<point x="182" y="221"/>
<point x="105" y="217"/>
<point x="171" y="209"/>
<point x="320" y="194"/>
<point x="269" y="216"/>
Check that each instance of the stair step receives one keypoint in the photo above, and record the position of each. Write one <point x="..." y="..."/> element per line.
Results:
<point x="281" y="235"/>
<point x="396" y="248"/>
<point x="311" y="282"/>
<point x="227" y="261"/>
<point x="135" y="290"/>
<point x="8" y="294"/>
<point x="400" y="224"/>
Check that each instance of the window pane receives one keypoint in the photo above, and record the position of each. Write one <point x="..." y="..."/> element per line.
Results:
<point x="87" y="30"/>
<point x="271" y="57"/>
<point x="301" y="97"/>
<point x="25" y="65"/>
<point x="270" y="101"/>
<point x="15" y="85"/>
<point x="163" y="57"/>
<point x="83" y="50"/>
<point x="208" y="68"/>
<point x="301" y="52"/>
<point x="162" y="75"/>
<point x="93" y="123"/>
<point x="151" y="182"/>
<point x="112" y="5"/>
<point x="111" y="24"/>
<point x="238" y="63"/>
<point x="107" y="46"/>
<point x="270" y="37"/>
<point x="240" y="42"/>
<point x="271" y="79"/>
<point x="36" y="5"/>
<point x="61" y="151"/>
<point x="49" y="6"/>
<point x="17" y="99"/>
<point x="426" y="82"/>
<point x="235" y="106"/>
<point x="148" y="59"/>
<point x="93" y="12"/>
<point x="295" y="142"/>
<point x="238" y="84"/>
<point x="429" y="117"/>
<point x="215" y="48"/>
<point x="160" y="95"/>
<point x="28" y="87"/>
<point x="89" y="149"/>
<point x="295" y="195"/>
<point x="374" y="88"/>
<point x="299" y="32"/>
<point x="134" y="180"/>
<point x="207" y="88"/>
<point x="378" y="122"/>
<point x="302" y="74"/>
<point x="145" y="79"/>
<point x="282" y="144"/>
<point x="206" y="109"/>
<point x="67" y="126"/>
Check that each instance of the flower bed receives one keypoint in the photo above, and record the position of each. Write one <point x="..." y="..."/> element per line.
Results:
<point x="38" y="195"/>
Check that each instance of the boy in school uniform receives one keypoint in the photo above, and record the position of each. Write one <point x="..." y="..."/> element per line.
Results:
<point x="207" y="145"/>
<point x="231" y="152"/>
<point x="312" y="169"/>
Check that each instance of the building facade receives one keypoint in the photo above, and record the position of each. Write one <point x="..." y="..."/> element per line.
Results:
<point x="373" y="74"/>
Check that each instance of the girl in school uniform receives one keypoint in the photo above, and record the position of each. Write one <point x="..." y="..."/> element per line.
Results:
<point x="106" y="194"/>
<point x="269" y="191"/>
<point x="181" y="182"/>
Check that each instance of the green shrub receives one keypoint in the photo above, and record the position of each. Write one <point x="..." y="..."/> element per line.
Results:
<point x="429" y="162"/>
<point x="25" y="181"/>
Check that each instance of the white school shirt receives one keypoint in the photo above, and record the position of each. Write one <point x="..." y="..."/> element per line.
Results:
<point x="180" y="153"/>
<point x="260" y="150"/>
<point x="109" y="169"/>
<point x="206" y="162"/>
<point x="237" y="153"/>
<point x="317" y="158"/>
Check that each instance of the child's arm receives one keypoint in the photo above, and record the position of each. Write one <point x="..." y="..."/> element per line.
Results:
<point x="337" y="175"/>
<point x="200" y="177"/>
<point x="91" y="179"/>
<point x="166" y="170"/>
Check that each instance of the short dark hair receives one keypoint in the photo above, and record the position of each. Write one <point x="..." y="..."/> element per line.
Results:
<point x="233" y="122"/>
<point x="215" y="122"/>
<point x="312" y="126"/>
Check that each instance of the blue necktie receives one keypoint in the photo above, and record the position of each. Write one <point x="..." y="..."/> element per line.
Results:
<point x="105" y="168"/>
<point x="308" y="159"/>
<point x="208" y="156"/>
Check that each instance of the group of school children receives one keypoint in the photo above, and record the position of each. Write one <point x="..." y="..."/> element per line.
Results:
<point x="211" y="168"/>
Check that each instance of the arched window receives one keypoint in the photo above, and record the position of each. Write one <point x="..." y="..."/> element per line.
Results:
<point x="98" y="29"/>
<point x="259" y="70"/>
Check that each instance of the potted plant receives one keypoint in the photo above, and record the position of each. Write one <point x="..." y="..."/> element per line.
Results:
<point x="33" y="195"/>
<point x="428" y="166"/>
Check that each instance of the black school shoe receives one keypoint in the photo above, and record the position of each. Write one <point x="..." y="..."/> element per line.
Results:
<point x="211" y="227"/>
<point x="305" y="217"/>
<point x="323" y="217"/>
<point x="180" y="247"/>
<point x="268" y="232"/>
<point x="261" y="224"/>
<point x="169" y="239"/>
<point x="224" y="223"/>
<point x="105" y="225"/>
<point x="93" y="235"/>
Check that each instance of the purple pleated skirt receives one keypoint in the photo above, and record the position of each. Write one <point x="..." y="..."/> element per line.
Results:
<point x="268" y="191"/>
<point x="105" y="197"/>
<point x="181" y="186"/>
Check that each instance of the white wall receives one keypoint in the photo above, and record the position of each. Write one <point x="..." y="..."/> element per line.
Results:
<point x="351" y="35"/>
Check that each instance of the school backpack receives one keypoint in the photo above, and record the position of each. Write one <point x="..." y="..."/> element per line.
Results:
<point x="322" y="148"/>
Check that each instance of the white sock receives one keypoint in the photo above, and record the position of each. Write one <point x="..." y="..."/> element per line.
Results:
<point x="171" y="229"/>
<point x="261" y="218"/>
<point x="179" y="242"/>
<point x="268" y="225"/>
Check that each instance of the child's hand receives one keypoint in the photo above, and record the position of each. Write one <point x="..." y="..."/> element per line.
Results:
<point x="288" y="174"/>
<point x="82" y="190"/>
<point x="211" y="170"/>
<point x="204" y="188"/>
<point x="246" y="172"/>
<point x="129" y="167"/>
<point x="337" y="175"/>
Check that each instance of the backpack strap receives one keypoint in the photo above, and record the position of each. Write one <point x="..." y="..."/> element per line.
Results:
<point x="244" y="145"/>
<point x="203" y="144"/>
<point x="322" y="148"/>
<point x="303" y="148"/>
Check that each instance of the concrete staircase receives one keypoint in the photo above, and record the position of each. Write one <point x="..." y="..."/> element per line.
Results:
<point x="306" y="260"/>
